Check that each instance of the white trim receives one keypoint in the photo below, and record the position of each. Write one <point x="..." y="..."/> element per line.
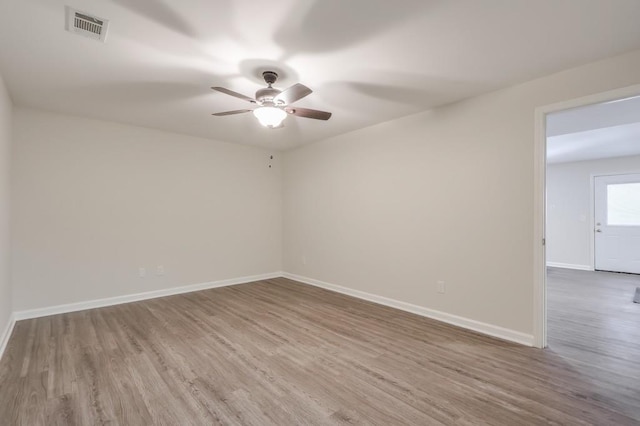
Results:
<point x="484" y="328"/>
<point x="117" y="300"/>
<point x="4" y="338"/>
<point x="570" y="266"/>
<point x="592" y="222"/>
<point x="539" y="207"/>
<point x="539" y="231"/>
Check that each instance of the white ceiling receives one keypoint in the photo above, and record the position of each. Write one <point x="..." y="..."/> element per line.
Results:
<point x="368" y="61"/>
<point x="608" y="142"/>
<point x="604" y="130"/>
<point x="595" y="116"/>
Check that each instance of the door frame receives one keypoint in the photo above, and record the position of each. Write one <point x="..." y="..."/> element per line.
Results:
<point x="539" y="201"/>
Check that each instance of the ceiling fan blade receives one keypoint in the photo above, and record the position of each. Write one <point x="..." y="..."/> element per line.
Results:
<point x="308" y="113"/>
<point x="292" y="94"/>
<point x="238" y="111"/>
<point x="234" y="94"/>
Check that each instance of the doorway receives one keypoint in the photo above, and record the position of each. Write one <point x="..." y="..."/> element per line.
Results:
<point x="541" y="206"/>
<point x="590" y="190"/>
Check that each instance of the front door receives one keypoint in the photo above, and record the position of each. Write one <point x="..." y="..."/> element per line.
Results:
<point x="617" y="223"/>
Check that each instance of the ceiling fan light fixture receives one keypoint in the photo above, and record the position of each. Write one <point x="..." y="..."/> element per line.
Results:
<point x="274" y="105"/>
<point x="270" y="116"/>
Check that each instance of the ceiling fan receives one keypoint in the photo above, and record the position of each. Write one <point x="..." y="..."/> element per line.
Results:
<point x="274" y="105"/>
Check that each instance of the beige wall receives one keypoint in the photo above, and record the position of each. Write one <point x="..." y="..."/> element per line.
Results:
<point x="5" y="159"/>
<point x="569" y="198"/>
<point x="442" y="195"/>
<point x="93" y="201"/>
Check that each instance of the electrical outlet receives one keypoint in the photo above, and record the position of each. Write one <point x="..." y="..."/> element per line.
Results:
<point x="142" y="272"/>
<point x="441" y="288"/>
<point x="160" y="270"/>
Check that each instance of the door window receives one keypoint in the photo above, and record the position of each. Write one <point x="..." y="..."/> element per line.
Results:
<point x="623" y="204"/>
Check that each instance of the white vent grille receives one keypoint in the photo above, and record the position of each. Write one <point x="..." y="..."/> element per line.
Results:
<point x="84" y="24"/>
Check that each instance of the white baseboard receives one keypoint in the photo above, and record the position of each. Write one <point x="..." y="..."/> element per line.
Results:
<point x="569" y="266"/>
<point x="4" y="337"/>
<point x="480" y="327"/>
<point x="117" y="300"/>
<point x="488" y="329"/>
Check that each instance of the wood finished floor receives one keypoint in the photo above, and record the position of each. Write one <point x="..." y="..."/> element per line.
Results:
<point x="278" y="352"/>
<point x="594" y="326"/>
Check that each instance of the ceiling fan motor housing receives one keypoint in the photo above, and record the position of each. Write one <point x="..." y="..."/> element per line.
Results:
<point x="266" y="95"/>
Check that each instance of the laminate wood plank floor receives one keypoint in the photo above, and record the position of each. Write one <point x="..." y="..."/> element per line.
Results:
<point x="277" y="352"/>
<point x="594" y="325"/>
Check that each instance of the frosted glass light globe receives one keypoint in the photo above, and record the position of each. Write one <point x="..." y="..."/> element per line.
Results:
<point x="269" y="116"/>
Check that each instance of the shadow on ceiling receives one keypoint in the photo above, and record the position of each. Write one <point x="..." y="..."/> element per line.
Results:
<point x="326" y="25"/>
<point x="411" y="89"/>
<point x="161" y="13"/>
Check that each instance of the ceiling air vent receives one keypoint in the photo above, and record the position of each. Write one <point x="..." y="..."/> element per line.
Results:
<point x="84" y="24"/>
